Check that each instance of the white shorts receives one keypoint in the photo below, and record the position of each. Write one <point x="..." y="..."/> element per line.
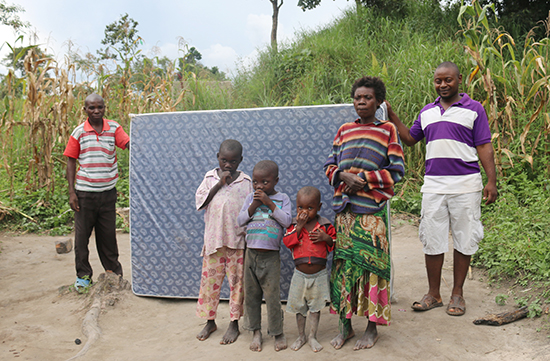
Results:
<point x="461" y="211"/>
<point x="308" y="292"/>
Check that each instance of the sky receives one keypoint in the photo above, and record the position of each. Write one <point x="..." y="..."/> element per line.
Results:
<point x="225" y="32"/>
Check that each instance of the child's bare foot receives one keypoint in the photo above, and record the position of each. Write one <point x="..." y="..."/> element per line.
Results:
<point x="280" y="342"/>
<point x="256" y="344"/>
<point x="300" y="341"/>
<point x="369" y="338"/>
<point x="314" y="344"/>
<point x="207" y="330"/>
<point x="231" y="334"/>
<point x="340" y="340"/>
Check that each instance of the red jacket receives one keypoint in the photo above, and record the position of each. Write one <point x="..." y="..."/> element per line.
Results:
<point x="303" y="249"/>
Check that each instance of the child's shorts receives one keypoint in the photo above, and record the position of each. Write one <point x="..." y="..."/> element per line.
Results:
<point x="461" y="211"/>
<point x="308" y="292"/>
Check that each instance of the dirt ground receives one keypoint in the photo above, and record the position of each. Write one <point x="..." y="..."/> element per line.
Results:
<point x="37" y="322"/>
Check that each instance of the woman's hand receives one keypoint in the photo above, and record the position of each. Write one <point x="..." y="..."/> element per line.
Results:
<point x="353" y="182"/>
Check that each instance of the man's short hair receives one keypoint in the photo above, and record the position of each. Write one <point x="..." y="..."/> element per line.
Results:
<point x="449" y="65"/>
<point x="92" y="97"/>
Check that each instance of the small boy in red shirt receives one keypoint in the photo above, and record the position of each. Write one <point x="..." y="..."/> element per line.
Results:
<point x="310" y="237"/>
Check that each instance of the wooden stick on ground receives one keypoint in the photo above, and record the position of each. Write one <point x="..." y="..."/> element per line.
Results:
<point x="502" y="318"/>
<point x="106" y="290"/>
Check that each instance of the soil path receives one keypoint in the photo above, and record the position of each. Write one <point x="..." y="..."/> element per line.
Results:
<point x="37" y="322"/>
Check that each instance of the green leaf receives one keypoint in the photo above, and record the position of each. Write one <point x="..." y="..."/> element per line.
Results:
<point x="535" y="88"/>
<point x="465" y="9"/>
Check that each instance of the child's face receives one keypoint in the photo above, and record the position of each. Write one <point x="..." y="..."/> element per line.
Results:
<point x="265" y="180"/>
<point x="309" y="204"/>
<point x="229" y="160"/>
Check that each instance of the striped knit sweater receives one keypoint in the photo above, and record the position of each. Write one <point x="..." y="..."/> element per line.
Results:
<point x="372" y="151"/>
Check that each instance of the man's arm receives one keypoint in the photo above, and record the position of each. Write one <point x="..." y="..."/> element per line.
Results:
<point x="486" y="156"/>
<point x="122" y="140"/>
<point x="404" y="131"/>
<point x="71" y="176"/>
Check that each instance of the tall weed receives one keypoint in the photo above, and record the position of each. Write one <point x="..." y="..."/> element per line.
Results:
<point x="516" y="243"/>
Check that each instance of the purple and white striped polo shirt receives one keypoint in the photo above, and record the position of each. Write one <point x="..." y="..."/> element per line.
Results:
<point x="451" y="139"/>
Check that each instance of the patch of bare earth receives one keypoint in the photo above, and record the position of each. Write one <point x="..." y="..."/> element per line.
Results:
<point x="40" y="322"/>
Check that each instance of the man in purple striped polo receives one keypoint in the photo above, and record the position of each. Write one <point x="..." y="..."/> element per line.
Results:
<point x="93" y="197"/>
<point x="457" y="137"/>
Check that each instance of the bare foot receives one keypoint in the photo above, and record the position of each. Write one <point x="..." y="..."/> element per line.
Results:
<point x="256" y="344"/>
<point x="340" y="340"/>
<point x="368" y="340"/>
<point x="207" y="330"/>
<point x="231" y="334"/>
<point x="300" y="341"/>
<point x="280" y="342"/>
<point x="314" y="344"/>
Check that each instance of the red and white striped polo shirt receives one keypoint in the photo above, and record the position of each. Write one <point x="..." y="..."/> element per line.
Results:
<point x="96" y="154"/>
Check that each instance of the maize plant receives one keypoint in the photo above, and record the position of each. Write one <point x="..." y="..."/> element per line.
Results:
<point x="515" y="88"/>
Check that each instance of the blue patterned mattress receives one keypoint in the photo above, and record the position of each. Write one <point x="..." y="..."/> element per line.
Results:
<point x="169" y="156"/>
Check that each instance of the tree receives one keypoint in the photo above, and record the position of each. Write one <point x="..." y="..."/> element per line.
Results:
<point x="519" y="16"/>
<point x="16" y="58"/>
<point x="9" y="16"/>
<point x="312" y="4"/>
<point x="308" y="4"/>
<point x="386" y="7"/>
<point x="303" y="4"/>
<point x="193" y="56"/>
<point x="150" y="71"/>
<point x="275" y="22"/>
<point x="122" y="37"/>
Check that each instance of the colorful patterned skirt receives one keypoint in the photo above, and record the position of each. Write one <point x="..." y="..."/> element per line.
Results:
<point x="360" y="277"/>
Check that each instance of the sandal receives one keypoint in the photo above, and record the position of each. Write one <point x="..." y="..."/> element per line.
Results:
<point x="81" y="285"/>
<point x="456" y="306"/>
<point x="427" y="303"/>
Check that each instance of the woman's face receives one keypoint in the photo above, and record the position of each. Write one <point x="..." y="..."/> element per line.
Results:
<point x="365" y="104"/>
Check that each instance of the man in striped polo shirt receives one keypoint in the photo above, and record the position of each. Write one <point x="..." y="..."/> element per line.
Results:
<point x="93" y="197"/>
<point x="457" y="137"/>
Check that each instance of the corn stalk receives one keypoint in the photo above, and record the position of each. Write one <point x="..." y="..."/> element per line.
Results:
<point x="45" y="104"/>
<point x="514" y="89"/>
<point x="46" y="110"/>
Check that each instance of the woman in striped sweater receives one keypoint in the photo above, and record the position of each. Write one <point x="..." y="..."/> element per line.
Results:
<point x="365" y="162"/>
